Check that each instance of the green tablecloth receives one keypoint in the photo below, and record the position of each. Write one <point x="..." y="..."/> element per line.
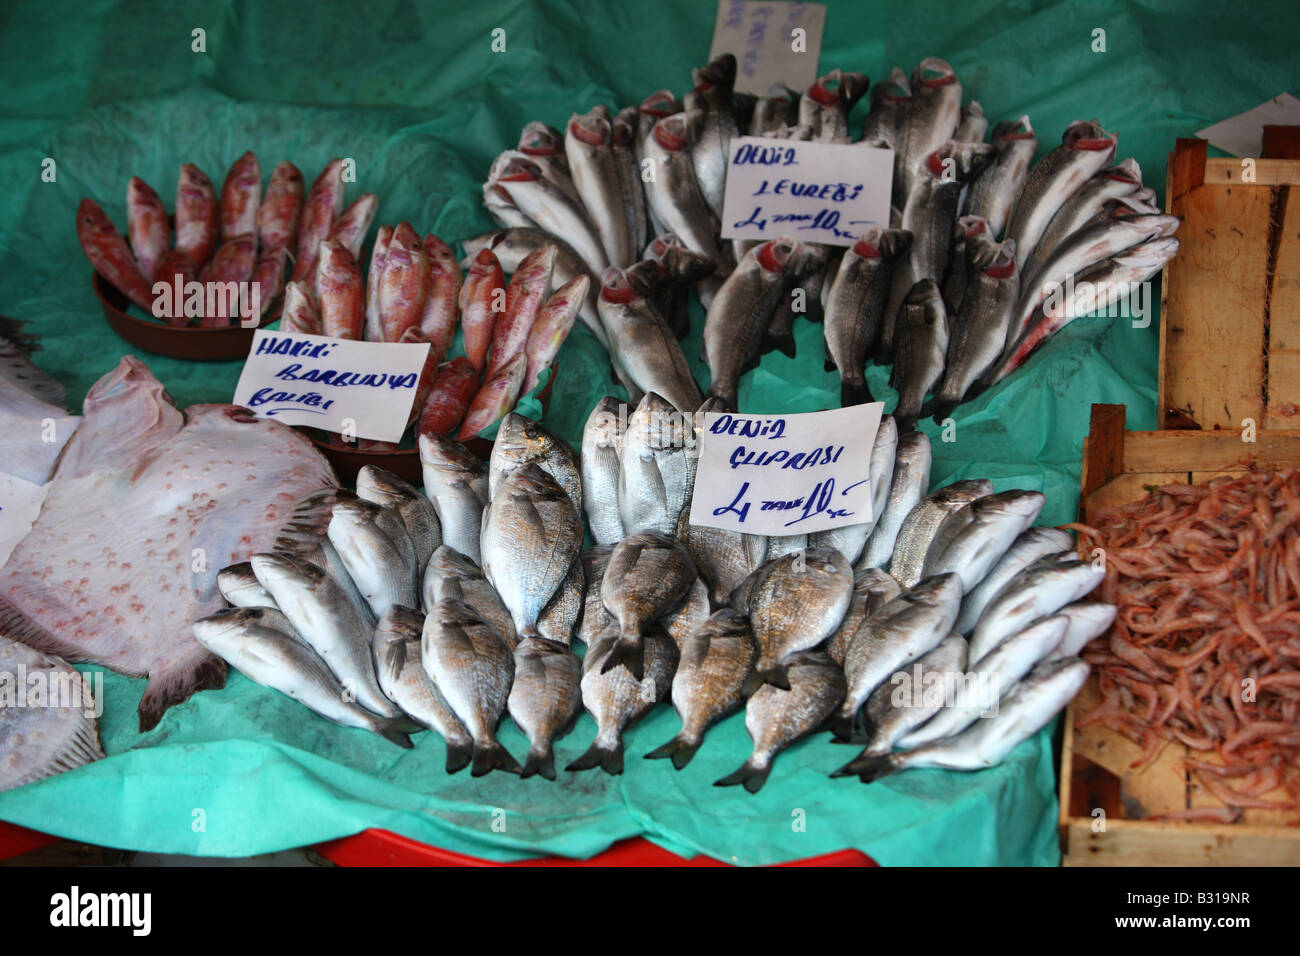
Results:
<point x="418" y="98"/>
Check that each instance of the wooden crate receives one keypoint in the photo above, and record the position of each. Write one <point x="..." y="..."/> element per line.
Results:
<point x="1230" y="306"/>
<point x="1096" y="774"/>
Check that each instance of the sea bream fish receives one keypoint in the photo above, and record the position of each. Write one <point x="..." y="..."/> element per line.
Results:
<point x="457" y="482"/>
<point x="400" y="670"/>
<point x="655" y="474"/>
<point x="776" y="718"/>
<point x="907" y="488"/>
<point x="648" y="576"/>
<point x="58" y="734"/>
<point x="850" y="540"/>
<point x="522" y="441"/>
<point x="145" y="506"/>
<point x="602" y="441"/>
<point x="798" y="603"/>
<point x="545" y="699"/>
<point x="447" y="566"/>
<point x="28" y="400"/>
<point x="872" y="590"/>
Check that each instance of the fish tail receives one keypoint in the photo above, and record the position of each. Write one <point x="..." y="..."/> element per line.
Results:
<point x="393" y="731"/>
<point x="628" y="651"/>
<point x="727" y="396"/>
<point x="459" y="755"/>
<point x="491" y="756"/>
<point x="783" y="342"/>
<point x="842" y="724"/>
<point x="679" y="749"/>
<point x="176" y="682"/>
<point x="540" y="762"/>
<point x="872" y="768"/>
<point x="855" y="393"/>
<point x="939" y="407"/>
<point x="607" y="758"/>
<point x="776" y="676"/>
<point x="750" y="774"/>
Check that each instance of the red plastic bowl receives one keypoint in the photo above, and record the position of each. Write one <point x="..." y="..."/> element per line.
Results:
<point x="199" y="345"/>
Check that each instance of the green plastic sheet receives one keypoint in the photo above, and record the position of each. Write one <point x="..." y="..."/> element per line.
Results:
<point x="417" y="96"/>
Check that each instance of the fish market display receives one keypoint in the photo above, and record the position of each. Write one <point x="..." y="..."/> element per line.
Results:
<point x="39" y="738"/>
<point x="146" y="504"/>
<point x="1207" y="581"/>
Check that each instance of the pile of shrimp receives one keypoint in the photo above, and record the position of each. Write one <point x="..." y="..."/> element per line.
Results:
<point x="1206" y="646"/>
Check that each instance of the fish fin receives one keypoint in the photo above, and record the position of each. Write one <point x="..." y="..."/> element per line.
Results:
<point x="492" y="756"/>
<point x="939" y="408"/>
<point x="873" y="768"/>
<point x="609" y="760"/>
<point x="539" y="763"/>
<point x="728" y="399"/>
<point x="679" y="748"/>
<point x="776" y="676"/>
<point x="782" y="342"/>
<point x="842" y="726"/>
<point x="852" y="393"/>
<point x="198" y="670"/>
<point x="392" y="731"/>
<point x="17" y="625"/>
<point x="628" y="651"/>
<point x="753" y="777"/>
<point x="459" y="755"/>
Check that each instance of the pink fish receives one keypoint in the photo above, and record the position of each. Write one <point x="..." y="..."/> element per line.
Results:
<point x="453" y="389"/>
<point x="339" y="286"/>
<point x="524" y="296"/>
<point x="240" y="195"/>
<point x="404" y="284"/>
<point x="108" y="253"/>
<point x="441" y="303"/>
<point x="497" y="396"/>
<point x="145" y="506"/>
<point x="225" y="277"/>
<point x="198" y="215"/>
<point x="551" y="327"/>
<point x="351" y="227"/>
<point x="299" y="313"/>
<point x="281" y="210"/>
<point x="269" y="274"/>
<point x="415" y="336"/>
<point x="374" y="330"/>
<point x="146" y="224"/>
<point x="175" y="266"/>
<point x="480" y="297"/>
<point x="323" y="205"/>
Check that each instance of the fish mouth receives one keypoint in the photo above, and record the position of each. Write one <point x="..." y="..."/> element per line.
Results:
<point x="935" y="73"/>
<point x="868" y="244"/>
<point x="972" y="226"/>
<point x="519" y="171"/>
<point x="615" y="288"/>
<point x="1003" y="265"/>
<point x="826" y="89"/>
<point x="659" y="104"/>
<point x="590" y="129"/>
<point x="773" y="255"/>
<point x="538" y="139"/>
<point x="1088" y="135"/>
<point x="485" y="258"/>
<point x="1126" y="172"/>
<point x="670" y="132"/>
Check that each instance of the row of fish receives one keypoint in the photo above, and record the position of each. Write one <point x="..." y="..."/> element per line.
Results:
<point x="238" y="236"/>
<point x="987" y="253"/>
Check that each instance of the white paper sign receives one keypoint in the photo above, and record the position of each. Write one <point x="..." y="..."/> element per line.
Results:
<point x="366" y="388"/>
<point x="20" y="503"/>
<point x="815" y="192"/>
<point x="1243" y="135"/>
<point x="768" y="50"/>
<point x="786" y="474"/>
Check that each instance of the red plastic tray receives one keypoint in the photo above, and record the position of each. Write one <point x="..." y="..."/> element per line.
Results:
<point x="16" y="840"/>
<point x="384" y="848"/>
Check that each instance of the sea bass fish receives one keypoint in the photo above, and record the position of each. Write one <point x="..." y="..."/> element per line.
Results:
<point x="938" y="518"/>
<point x="1031" y="545"/>
<point x="907" y="488"/>
<point x="602" y="441"/>
<point x="150" y="490"/>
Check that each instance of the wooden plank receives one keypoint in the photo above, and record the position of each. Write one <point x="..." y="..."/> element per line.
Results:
<point x="1161" y="843"/>
<point x="1283" y="385"/>
<point x="1103" y="446"/>
<point x="1209" y="451"/>
<point x="1188" y="165"/>
<point x="1226" y="170"/>
<point x="1126" y="488"/>
<point x="1216" y="282"/>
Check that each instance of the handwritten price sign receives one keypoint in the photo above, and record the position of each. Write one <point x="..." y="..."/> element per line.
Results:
<point x="772" y="42"/>
<point x="817" y="192"/>
<point x="786" y="474"/>
<point x="321" y="381"/>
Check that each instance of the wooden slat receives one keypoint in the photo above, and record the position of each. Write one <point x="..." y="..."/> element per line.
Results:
<point x="1188" y="165"/>
<point x="1209" y="451"/>
<point x="1268" y="172"/>
<point x="1281" y="142"/>
<point x="1143" y="843"/>
<point x="1103" y="447"/>
<point x="1218" y="282"/>
<point x="1283" y="385"/>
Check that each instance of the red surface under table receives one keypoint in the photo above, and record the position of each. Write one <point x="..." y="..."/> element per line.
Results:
<point x="382" y="848"/>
